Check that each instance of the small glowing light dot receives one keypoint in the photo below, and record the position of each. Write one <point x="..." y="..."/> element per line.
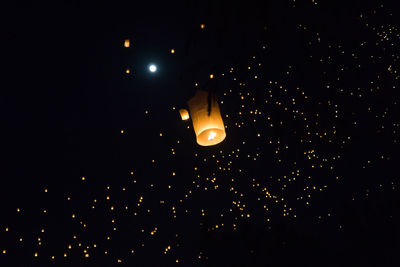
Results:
<point x="126" y="43"/>
<point x="202" y="26"/>
<point x="172" y="51"/>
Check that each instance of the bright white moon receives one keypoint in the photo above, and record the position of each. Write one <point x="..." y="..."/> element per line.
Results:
<point x="152" y="68"/>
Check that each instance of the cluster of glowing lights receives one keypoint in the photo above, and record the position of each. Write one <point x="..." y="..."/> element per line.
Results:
<point x="257" y="118"/>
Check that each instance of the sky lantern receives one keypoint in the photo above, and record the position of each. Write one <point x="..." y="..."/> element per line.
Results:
<point x="126" y="43"/>
<point x="184" y="114"/>
<point x="207" y="121"/>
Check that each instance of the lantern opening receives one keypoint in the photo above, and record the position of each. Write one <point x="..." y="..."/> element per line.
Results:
<point x="211" y="137"/>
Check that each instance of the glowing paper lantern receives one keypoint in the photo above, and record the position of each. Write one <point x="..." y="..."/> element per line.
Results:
<point x="127" y="43"/>
<point x="207" y="122"/>
<point x="184" y="114"/>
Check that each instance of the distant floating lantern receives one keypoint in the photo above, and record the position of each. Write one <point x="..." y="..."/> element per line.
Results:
<point x="184" y="114"/>
<point x="126" y="43"/>
<point x="207" y="121"/>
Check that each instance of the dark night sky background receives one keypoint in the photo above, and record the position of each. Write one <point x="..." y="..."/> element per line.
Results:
<point x="65" y="97"/>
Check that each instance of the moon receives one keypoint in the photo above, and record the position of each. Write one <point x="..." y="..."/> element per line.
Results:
<point x="153" y="68"/>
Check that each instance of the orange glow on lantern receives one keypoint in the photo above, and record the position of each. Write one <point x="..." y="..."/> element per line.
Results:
<point x="207" y="122"/>
<point x="184" y="114"/>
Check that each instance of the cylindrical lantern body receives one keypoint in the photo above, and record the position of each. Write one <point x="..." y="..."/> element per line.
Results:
<point x="184" y="114"/>
<point x="207" y="122"/>
<point x="127" y="43"/>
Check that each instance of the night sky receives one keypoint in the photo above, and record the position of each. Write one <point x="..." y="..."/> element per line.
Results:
<point x="98" y="169"/>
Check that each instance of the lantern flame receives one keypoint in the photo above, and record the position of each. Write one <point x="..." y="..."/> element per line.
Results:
<point x="212" y="135"/>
